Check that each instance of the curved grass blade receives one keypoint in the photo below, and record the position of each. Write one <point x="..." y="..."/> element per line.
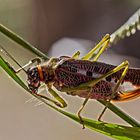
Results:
<point x="127" y="29"/>
<point x="121" y="114"/>
<point x="113" y="130"/>
<point x="10" y="34"/>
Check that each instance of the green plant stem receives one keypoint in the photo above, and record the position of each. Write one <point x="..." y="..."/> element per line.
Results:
<point x="121" y="114"/>
<point x="22" y="42"/>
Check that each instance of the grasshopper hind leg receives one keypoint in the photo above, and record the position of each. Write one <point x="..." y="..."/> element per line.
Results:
<point x="82" y="107"/>
<point x="76" y="55"/>
<point x="93" y="56"/>
<point x="88" y="85"/>
<point x="95" y="53"/>
<point x="80" y="117"/>
<point x="115" y="89"/>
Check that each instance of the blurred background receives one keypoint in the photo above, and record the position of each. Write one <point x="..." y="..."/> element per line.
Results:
<point x="60" y="28"/>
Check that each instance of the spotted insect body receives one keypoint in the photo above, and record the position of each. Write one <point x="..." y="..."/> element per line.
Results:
<point x="69" y="73"/>
<point x="85" y="77"/>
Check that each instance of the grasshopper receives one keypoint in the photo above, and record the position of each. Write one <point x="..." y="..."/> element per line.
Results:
<point x="85" y="77"/>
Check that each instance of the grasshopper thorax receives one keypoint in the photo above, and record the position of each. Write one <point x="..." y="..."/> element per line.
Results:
<point x="42" y="73"/>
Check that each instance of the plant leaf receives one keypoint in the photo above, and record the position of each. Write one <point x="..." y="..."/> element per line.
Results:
<point x="10" y="34"/>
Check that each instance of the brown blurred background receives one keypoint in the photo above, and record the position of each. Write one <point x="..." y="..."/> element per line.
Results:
<point x="60" y="28"/>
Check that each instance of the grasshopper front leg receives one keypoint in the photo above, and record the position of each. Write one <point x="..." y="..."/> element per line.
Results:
<point x="115" y="90"/>
<point x="60" y="101"/>
<point x="81" y="109"/>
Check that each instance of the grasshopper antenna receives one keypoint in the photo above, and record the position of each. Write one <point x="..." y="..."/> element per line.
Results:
<point x="11" y="57"/>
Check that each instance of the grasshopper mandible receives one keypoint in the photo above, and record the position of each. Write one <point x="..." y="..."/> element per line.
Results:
<point x="85" y="77"/>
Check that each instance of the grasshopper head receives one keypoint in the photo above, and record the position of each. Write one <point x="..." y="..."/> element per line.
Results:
<point x="33" y="79"/>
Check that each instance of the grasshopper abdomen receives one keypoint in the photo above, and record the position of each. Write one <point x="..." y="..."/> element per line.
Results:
<point x="72" y="73"/>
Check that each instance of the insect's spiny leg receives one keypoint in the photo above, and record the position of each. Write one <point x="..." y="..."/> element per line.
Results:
<point x="82" y="107"/>
<point x="11" y="57"/>
<point x="38" y="60"/>
<point x="34" y="60"/>
<point x="115" y="89"/>
<point x="76" y="55"/>
<point x="60" y="102"/>
<point x="23" y="67"/>
<point x="90" y="84"/>
<point x="49" y="99"/>
<point x="101" y="50"/>
<point x="80" y="117"/>
<point x="92" y="53"/>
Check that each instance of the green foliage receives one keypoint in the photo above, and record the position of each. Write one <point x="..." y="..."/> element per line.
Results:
<point x="21" y="41"/>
